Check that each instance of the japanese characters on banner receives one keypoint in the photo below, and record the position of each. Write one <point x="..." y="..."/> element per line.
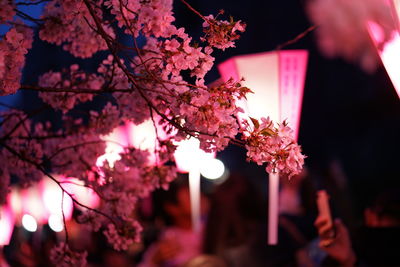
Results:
<point x="277" y="80"/>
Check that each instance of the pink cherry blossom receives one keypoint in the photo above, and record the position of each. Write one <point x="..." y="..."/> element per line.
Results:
<point x="63" y="256"/>
<point x="7" y="11"/>
<point x="13" y="47"/>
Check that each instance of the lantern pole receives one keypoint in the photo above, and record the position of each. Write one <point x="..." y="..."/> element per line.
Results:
<point x="194" y="189"/>
<point x="273" y="208"/>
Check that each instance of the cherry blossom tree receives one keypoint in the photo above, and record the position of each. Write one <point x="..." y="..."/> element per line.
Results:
<point x="162" y="80"/>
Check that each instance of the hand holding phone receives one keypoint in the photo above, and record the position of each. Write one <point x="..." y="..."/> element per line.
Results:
<point x="324" y="222"/>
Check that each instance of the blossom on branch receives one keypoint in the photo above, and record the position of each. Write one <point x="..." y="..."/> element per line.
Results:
<point x="71" y="79"/>
<point x="275" y="145"/>
<point x="221" y="34"/>
<point x="68" y="22"/>
<point x="63" y="256"/>
<point x="7" y="11"/>
<point x="13" y="48"/>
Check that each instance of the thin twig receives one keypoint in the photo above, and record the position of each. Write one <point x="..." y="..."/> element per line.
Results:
<point x="63" y="216"/>
<point x="297" y="38"/>
<point x="72" y="90"/>
<point x="31" y="3"/>
<point x="194" y="10"/>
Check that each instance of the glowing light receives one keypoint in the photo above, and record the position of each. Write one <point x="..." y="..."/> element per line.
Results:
<point x="212" y="168"/>
<point x="83" y="194"/>
<point x="114" y="146"/>
<point x="56" y="223"/>
<point x="52" y="199"/>
<point x="6" y="225"/>
<point x="189" y="158"/>
<point x="29" y="223"/>
<point x="14" y="198"/>
<point x="389" y="53"/>
<point x="142" y="136"/>
<point x="187" y="154"/>
<point x="32" y="204"/>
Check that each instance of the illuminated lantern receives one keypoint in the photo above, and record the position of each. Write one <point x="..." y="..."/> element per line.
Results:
<point x="53" y="199"/>
<point x="115" y="143"/>
<point x="142" y="136"/>
<point x="389" y="51"/>
<point x="6" y="225"/>
<point x="15" y="202"/>
<point x="277" y="80"/>
<point x="33" y="205"/>
<point x="81" y="193"/>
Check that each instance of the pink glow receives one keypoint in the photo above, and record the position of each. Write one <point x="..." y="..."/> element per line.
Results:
<point x="6" y="225"/>
<point x="15" y="201"/>
<point x="228" y="70"/>
<point x="32" y="204"/>
<point x="277" y="80"/>
<point x="261" y="74"/>
<point x="142" y="136"/>
<point x="52" y="198"/>
<point x="389" y="53"/>
<point x="84" y="195"/>
<point x="189" y="156"/>
<point x="115" y="143"/>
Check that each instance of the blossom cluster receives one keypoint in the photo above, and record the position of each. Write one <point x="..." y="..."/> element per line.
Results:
<point x="68" y="22"/>
<point x="275" y="145"/>
<point x="13" y="49"/>
<point x="63" y="256"/>
<point x="151" y="18"/>
<point x="211" y="113"/>
<point x="7" y="12"/>
<point x="222" y="33"/>
<point x="162" y="81"/>
<point x="129" y="235"/>
<point x="71" y="79"/>
<point x="17" y="138"/>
